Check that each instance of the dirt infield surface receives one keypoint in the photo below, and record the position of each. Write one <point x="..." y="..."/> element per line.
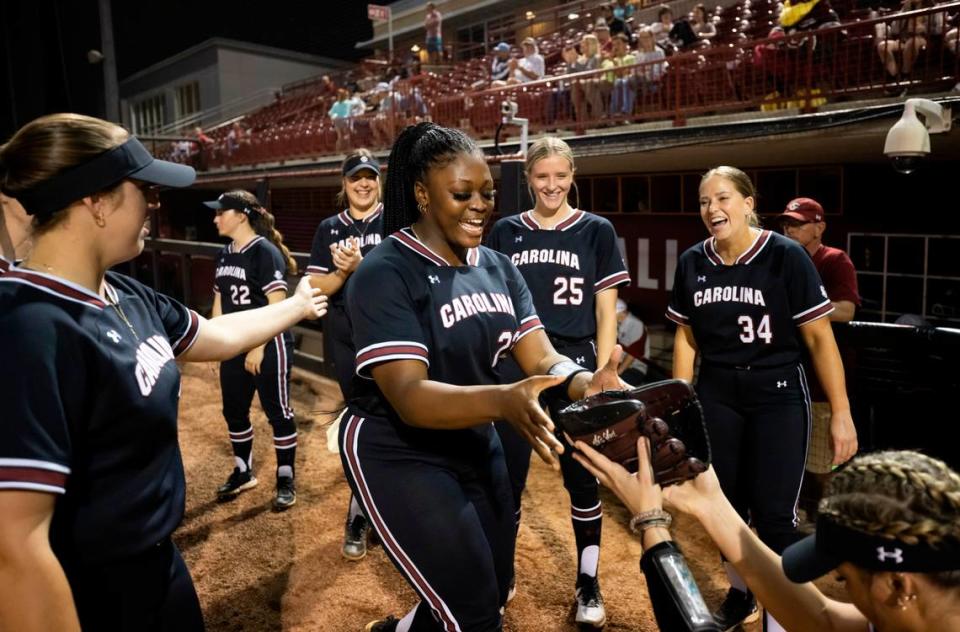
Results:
<point x="258" y="570"/>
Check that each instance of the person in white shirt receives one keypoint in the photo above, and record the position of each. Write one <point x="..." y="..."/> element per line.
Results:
<point x="632" y="336"/>
<point x="531" y="66"/>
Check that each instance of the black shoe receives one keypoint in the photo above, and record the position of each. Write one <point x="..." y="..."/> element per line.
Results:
<point x="355" y="536"/>
<point x="589" y="602"/>
<point x="738" y="607"/>
<point x="383" y="625"/>
<point x="286" y="494"/>
<point x="238" y="482"/>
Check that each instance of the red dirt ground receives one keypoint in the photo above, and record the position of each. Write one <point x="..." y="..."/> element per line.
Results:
<point x="257" y="570"/>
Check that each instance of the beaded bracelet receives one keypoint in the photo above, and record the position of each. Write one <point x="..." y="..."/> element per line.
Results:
<point x="650" y="519"/>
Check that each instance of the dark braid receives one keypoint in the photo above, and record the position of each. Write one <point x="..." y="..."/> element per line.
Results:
<point x="417" y="149"/>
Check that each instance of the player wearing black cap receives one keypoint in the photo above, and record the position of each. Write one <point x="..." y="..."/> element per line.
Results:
<point x="416" y="442"/>
<point x="747" y="301"/>
<point x="570" y="261"/>
<point x="889" y="528"/>
<point x="91" y="479"/>
<point x="339" y="245"/>
<point x="251" y="272"/>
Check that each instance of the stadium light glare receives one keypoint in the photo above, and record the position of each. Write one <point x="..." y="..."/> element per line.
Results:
<point x="573" y="16"/>
<point x="415" y="48"/>
<point x="531" y="15"/>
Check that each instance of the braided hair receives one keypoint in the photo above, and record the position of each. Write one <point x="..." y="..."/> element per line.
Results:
<point x="263" y="223"/>
<point x="417" y="149"/>
<point x="902" y="495"/>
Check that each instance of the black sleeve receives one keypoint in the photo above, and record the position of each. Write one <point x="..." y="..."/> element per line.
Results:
<point x="527" y="319"/>
<point x="181" y="325"/>
<point x="271" y="269"/>
<point x="677" y="603"/>
<point x="387" y="328"/>
<point x="43" y="381"/>
<point x="808" y="298"/>
<point x="493" y="239"/>
<point x="611" y="270"/>
<point x="678" y="310"/>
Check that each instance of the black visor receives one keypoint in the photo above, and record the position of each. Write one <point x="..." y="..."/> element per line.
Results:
<point x="227" y="202"/>
<point x="359" y="163"/>
<point x="129" y="160"/>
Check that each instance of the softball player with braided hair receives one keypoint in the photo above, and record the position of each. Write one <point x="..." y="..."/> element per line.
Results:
<point x="251" y="272"/>
<point x="339" y="245"/>
<point x="570" y="261"/>
<point x="417" y="441"/>
<point x="91" y="477"/>
<point x="747" y="301"/>
<point x="889" y="527"/>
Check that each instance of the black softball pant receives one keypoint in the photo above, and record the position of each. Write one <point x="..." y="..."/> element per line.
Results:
<point x="273" y="386"/>
<point x="149" y="592"/>
<point x="581" y="484"/>
<point x="759" y="426"/>
<point x="445" y="522"/>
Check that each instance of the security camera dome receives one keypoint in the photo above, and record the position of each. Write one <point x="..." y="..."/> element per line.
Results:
<point x="907" y="164"/>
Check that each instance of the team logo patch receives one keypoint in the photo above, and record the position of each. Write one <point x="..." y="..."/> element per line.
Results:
<point x="781" y="384"/>
<point x="701" y="279"/>
<point x="114" y="336"/>
<point x="824" y="292"/>
<point x="518" y="239"/>
<point x="278" y="275"/>
<point x="334" y="231"/>
<point x="364" y="159"/>
<point x="794" y="206"/>
<point x="433" y="279"/>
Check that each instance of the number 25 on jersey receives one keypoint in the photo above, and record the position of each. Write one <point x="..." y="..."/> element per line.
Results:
<point x="569" y="291"/>
<point x="749" y="333"/>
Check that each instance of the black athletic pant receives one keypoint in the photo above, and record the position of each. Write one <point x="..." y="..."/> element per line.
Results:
<point x="440" y="503"/>
<point x="759" y="425"/>
<point x="237" y="386"/>
<point x="149" y="592"/>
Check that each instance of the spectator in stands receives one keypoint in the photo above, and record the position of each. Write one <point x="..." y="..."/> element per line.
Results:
<point x="235" y="137"/>
<point x="647" y="53"/>
<point x="807" y="15"/>
<point x="590" y="92"/>
<point x="327" y="88"/>
<point x="204" y="140"/>
<point x="500" y="66"/>
<point x="621" y="18"/>
<point x="559" y="105"/>
<point x="383" y="124"/>
<point x="602" y="31"/>
<point x="432" y="24"/>
<point x="412" y="106"/>
<point x="624" y="81"/>
<point x="662" y="27"/>
<point x="530" y="67"/>
<point x="340" y="113"/>
<point x="702" y="23"/>
<point x="900" y="42"/>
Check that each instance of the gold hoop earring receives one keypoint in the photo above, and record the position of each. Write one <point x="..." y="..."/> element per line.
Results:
<point x="422" y="208"/>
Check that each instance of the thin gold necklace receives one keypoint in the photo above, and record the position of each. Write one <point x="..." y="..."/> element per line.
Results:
<point x="114" y="302"/>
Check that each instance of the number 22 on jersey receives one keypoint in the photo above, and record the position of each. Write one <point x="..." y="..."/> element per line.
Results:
<point x="749" y="333"/>
<point x="240" y="295"/>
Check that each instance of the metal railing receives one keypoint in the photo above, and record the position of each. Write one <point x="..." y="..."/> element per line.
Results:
<point x="804" y="70"/>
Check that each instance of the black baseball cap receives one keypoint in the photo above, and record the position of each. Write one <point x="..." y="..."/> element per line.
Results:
<point x="832" y="544"/>
<point x="230" y="202"/>
<point x="127" y="160"/>
<point x="359" y="163"/>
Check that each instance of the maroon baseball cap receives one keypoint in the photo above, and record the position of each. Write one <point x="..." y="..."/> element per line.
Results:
<point x="804" y="210"/>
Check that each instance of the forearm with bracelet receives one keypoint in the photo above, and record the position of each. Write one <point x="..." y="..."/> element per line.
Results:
<point x="677" y="603"/>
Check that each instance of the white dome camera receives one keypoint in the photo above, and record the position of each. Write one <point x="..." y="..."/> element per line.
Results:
<point x="908" y="141"/>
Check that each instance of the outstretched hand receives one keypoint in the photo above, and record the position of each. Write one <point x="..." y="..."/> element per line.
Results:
<point x="637" y="491"/>
<point x="314" y="300"/>
<point x="521" y="408"/>
<point x="607" y="377"/>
